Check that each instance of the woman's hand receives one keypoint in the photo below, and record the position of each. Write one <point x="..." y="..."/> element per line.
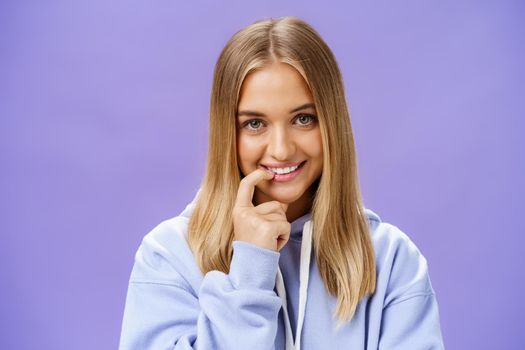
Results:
<point x="264" y="225"/>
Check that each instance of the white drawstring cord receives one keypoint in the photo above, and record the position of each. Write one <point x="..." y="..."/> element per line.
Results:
<point x="304" y="274"/>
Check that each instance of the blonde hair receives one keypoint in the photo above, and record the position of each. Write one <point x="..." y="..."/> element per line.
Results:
<point x="342" y="243"/>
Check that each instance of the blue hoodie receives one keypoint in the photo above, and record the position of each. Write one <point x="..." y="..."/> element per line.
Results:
<point x="267" y="299"/>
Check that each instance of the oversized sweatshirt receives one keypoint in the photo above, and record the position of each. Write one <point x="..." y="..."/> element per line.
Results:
<point x="170" y="304"/>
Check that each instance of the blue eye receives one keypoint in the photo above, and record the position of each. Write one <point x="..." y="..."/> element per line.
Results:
<point x="306" y="119"/>
<point x="252" y="124"/>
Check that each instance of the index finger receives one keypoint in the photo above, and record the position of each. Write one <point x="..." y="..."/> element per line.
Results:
<point x="247" y="187"/>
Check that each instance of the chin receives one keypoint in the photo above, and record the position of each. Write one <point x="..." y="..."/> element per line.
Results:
<point x="284" y="195"/>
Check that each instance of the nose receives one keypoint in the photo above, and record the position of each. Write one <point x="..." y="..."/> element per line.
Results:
<point x="281" y="146"/>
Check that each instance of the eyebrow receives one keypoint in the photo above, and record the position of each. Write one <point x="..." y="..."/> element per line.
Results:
<point x="259" y="114"/>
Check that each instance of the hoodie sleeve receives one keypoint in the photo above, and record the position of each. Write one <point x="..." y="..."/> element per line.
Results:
<point x="231" y="311"/>
<point x="412" y="324"/>
<point x="410" y="319"/>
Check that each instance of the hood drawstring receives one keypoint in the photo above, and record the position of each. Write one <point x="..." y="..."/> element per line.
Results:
<point x="306" y="249"/>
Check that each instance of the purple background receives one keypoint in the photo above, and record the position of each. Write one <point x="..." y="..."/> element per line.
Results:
<point x="104" y="134"/>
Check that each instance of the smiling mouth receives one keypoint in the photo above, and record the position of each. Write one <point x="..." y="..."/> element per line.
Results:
<point x="286" y="170"/>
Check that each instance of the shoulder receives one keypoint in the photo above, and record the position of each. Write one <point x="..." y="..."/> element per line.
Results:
<point x="164" y="254"/>
<point x="166" y="241"/>
<point x="389" y="239"/>
<point x="402" y="270"/>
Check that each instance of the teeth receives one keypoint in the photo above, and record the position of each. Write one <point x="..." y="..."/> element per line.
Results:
<point x="282" y="171"/>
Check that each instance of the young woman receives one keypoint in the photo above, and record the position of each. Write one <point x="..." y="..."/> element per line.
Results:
<point x="276" y="250"/>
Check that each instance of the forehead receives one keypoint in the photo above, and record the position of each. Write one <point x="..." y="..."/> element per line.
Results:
<point x="277" y="86"/>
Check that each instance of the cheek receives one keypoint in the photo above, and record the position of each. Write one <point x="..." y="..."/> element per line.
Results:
<point x="315" y="149"/>
<point x="313" y="145"/>
<point x="249" y="152"/>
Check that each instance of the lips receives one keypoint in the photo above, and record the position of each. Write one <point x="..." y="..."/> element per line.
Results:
<point x="289" y="176"/>
<point x="283" y="165"/>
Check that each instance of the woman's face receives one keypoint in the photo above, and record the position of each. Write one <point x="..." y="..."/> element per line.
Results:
<point x="277" y="129"/>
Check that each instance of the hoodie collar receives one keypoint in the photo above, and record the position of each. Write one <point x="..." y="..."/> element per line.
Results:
<point x="297" y="226"/>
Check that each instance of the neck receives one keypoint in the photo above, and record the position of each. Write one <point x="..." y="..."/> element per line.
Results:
<point x="299" y="207"/>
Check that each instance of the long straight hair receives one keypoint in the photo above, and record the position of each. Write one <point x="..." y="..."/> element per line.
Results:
<point x="342" y="244"/>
